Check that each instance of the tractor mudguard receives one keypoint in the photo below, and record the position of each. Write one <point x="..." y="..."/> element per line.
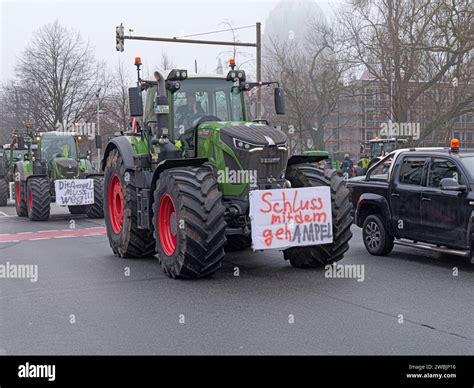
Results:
<point x="24" y="170"/>
<point x="376" y="200"/>
<point x="35" y="176"/>
<point x="124" y="147"/>
<point x="171" y="163"/>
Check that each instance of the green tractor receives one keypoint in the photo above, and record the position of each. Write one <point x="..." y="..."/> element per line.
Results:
<point x="9" y="155"/>
<point x="164" y="193"/>
<point x="53" y="163"/>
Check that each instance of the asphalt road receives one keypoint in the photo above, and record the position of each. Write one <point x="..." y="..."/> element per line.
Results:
<point x="84" y="303"/>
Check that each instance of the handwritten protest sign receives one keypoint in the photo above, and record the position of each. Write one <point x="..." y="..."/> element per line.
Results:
<point x="290" y="217"/>
<point x="74" y="192"/>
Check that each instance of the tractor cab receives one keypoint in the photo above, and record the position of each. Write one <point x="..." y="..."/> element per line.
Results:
<point x="60" y="152"/>
<point x="177" y="103"/>
<point x="54" y="145"/>
<point x="381" y="147"/>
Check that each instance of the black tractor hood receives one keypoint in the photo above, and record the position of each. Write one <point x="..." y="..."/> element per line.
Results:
<point x="263" y="135"/>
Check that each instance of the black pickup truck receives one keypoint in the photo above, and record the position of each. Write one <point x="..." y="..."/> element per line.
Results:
<point x="421" y="197"/>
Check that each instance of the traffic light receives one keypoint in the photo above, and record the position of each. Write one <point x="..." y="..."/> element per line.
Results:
<point x="119" y="37"/>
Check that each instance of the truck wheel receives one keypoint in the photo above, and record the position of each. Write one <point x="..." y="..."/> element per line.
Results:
<point x="308" y="175"/>
<point x="120" y="207"/>
<point x="3" y="192"/>
<point x="237" y="242"/>
<point x="377" y="239"/>
<point x="77" y="209"/>
<point x="96" y="210"/>
<point x="20" y="202"/>
<point x="188" y="219"/>
<point x="39" y="198"/>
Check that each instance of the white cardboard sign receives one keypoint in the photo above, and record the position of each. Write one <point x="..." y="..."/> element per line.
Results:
<point x="74" y="192"/>
<point x="286" y="218"/>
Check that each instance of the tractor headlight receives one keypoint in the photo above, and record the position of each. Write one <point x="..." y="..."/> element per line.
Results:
<point x="245" y="146"/>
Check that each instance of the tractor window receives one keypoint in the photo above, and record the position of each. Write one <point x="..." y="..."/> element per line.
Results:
<point x="376" y="149"/>
<point x="198" y="98"/>
<point x="221" y="106"/>
<point x="58" y="146"/>
<point x="17" y="155"/>
<point x="189" y="107"/>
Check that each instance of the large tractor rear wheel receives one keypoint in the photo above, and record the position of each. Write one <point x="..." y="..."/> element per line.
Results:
<point x="96" y="210"/>
<point x="189" y="226"/>
<point x="39" y="198"/>
<point x="20" y="199"/>
<point x="120" y="207"/>
<point x="3" y="192"/>
<point x="308" y="175"/>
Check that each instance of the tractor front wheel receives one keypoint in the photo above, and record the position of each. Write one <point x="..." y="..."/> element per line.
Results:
<point x="308" y="175"/>
<point x="120" y="207"/>
<point x="39" y="198"/>
<point x="188" y="219"/>
<point x="20" y="202"/>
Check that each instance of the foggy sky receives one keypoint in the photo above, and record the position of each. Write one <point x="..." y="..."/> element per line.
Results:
<point x="96" y="22"/>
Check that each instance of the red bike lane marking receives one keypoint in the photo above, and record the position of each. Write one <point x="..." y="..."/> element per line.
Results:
<point x="48" y="234"/>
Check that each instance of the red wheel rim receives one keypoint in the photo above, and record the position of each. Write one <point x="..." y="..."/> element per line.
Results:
<point x="17" y="193"/>
<point x="116" y="204"/>
<point x="167" y="225"/>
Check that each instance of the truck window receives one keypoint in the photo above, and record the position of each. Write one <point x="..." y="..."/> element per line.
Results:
<point x="380" y="172"/>
<point x="468" y="162"/>
<point x="411" y="170"/>
<point x="443" y="168"/>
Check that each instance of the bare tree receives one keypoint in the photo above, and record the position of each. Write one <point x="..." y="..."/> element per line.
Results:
<point x="414" y="49"/>
<point x="16" y="110"/>
<point x="166" y="63"/>
<point x="58" y="73"/>
<point x="115" y="106"/>
<point x="312" y="73"/>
